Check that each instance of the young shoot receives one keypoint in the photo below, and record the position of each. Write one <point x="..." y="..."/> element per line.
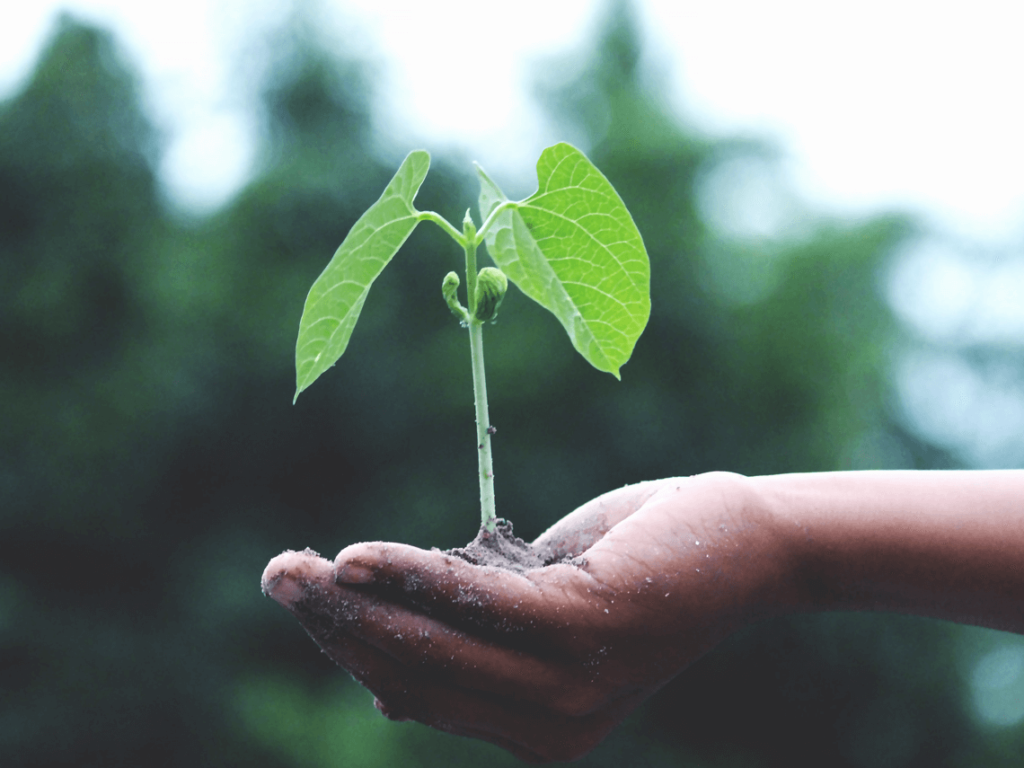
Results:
<point x="571" y="246"/>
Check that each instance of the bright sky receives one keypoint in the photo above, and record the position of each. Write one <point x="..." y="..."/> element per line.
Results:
<point x="879" y="103"/>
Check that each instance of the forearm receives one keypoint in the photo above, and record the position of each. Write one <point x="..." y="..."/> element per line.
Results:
<point x="948" y="545"/>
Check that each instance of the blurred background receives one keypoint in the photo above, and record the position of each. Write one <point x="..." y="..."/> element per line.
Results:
<point x="834" y="212"/>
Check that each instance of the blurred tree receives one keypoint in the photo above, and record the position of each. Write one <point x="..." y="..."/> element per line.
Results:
<point x="151" y="461"/>
<point x="96" y="668"/>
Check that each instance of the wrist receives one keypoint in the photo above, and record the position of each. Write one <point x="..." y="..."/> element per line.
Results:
<point x="784" y="580"/>
<point x="758" y="559"/>
<point x="945" y="545"/>
<point x="823" y="521"/>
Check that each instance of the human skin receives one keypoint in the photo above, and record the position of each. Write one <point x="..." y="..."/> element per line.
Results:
<point x="546" y="663"/>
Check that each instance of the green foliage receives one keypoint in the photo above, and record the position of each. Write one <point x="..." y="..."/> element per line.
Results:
<point x="573" y="248"/>
<point x="338" y="727"/>
<point x="150" y="466"/>
<point x="336" y="298"/>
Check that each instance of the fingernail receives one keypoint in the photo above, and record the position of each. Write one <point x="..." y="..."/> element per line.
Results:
<point x="351" y="573"/>
<point x="286" y="591"/>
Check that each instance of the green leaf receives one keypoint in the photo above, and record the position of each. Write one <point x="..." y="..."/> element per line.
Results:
<point x="337" y="296"/>
<point x="573" y="248"/>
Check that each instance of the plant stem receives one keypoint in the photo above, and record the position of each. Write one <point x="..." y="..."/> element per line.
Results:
<point x="493" y="217"/>
<point x="442" y="222"/>
<point x="483" y="436"/>
<point x="476" y="349"/>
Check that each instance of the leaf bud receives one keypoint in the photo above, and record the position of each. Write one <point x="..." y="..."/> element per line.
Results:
<point x="450" y="286"/>
<point x="491" y="285"/>
<point x="468" y="227"/>
<point x="449" y="289"/>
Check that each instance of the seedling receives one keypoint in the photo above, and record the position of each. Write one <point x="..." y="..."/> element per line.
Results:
<point x="571" y="246"/>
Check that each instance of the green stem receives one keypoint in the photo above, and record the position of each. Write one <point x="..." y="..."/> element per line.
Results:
<point x="476" y="349"/>
<point x="494" y="215"/>
<point x="443" y="223"/>
<point x="483" y="436"/>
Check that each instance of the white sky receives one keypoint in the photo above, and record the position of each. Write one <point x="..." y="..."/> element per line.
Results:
<point x="875" y="104"/>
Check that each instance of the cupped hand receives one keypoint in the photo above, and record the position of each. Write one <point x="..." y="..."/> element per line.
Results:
<point x="545" y="663"/>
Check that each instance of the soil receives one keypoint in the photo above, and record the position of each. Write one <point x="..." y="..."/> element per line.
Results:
<point x="503" y="549"/>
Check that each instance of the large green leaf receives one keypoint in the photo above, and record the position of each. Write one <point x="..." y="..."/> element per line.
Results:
<point x="573" y="248"/>
<point x="336" y="298"/>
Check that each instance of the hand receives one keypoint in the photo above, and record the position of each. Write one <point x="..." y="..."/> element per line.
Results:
<point x="545" y="663"/>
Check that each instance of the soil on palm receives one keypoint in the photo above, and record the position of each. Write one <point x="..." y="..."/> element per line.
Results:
<point x="503" y="549"/>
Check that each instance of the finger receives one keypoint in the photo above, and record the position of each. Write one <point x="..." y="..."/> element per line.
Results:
<point x="554" y="606"/>
<point x="412" y="693"/>
<point x="430" y="693"/>
<point x="333" y="615"/>
<point x="290" y="575"/>
<point x="575" y="685"/>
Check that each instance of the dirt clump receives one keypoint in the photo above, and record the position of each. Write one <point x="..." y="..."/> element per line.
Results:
<point x="503" y="549"/>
